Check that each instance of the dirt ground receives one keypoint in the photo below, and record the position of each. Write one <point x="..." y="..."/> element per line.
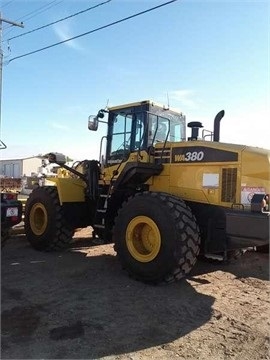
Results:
<point x="80" y="304"/>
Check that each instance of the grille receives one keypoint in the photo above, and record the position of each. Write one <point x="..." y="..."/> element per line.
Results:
<point x="229" y="176"/>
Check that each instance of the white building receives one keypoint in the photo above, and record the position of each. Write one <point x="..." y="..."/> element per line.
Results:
<point x="18" y="168"/>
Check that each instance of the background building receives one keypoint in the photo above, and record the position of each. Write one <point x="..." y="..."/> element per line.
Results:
<point x="18" y="168"/>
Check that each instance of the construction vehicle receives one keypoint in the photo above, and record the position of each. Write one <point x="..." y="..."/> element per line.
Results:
<point x="11" y="214"/>
<point x="11" y="207"/>
<point x="160" y="198"/>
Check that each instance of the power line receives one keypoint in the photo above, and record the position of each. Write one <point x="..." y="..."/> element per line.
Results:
<point x="92" y="31"/>
<point x="57" y="21"/>
<point x="8" y="3"/>
<point x="38" y="11"/>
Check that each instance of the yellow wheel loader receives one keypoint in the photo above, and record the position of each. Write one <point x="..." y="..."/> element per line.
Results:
<point x="162" y="198"/>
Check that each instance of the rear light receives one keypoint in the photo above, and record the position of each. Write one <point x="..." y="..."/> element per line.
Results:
<point x="9" y="196"/>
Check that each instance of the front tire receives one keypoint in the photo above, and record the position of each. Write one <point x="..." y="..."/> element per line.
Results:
<point x="156" y="237"/>
<point x="45" y="224"/>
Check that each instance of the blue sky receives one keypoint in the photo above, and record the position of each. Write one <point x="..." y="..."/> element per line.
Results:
<point x="206" y="55"/>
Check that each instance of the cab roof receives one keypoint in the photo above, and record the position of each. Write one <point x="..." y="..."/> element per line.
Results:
<point x="138" y="103"/>
<point x="141" y="103"/>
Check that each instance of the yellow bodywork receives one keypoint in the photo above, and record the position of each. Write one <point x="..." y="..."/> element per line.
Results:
<point x="202" y="181"/>
<point x="69" y="189"/>
<point x="113" y="171"/>
<point x="199" y="181"/>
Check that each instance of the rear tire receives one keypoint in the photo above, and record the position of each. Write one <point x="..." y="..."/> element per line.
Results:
<point x="156" y="237"/>
<point x="45" y="225"/>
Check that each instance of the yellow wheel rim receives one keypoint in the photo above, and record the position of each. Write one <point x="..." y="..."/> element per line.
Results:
<point x="38" y="219"/>
<point x="143" y="239"/>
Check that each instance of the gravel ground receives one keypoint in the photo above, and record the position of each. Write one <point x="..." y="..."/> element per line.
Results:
<point x="80" y="304"/>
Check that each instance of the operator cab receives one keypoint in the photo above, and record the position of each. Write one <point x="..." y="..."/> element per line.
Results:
<point x="137" y="127"/>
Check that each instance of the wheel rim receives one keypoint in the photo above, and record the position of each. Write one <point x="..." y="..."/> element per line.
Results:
<point x="143" y="239"/>
<point x="38" y="219"/>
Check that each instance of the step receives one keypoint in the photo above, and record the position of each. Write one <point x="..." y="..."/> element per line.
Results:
<point x="99" y="226"/>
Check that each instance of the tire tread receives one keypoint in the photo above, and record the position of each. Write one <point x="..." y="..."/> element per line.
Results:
<point x="62" y="236"/>
<point x="186" y="229"/>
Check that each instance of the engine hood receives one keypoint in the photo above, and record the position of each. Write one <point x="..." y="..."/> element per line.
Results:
<point x="255" y="163"/>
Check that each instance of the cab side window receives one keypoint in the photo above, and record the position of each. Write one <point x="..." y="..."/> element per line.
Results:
<point x="121" y="137"/>
<point x="139" y="133"/>
<point x="159" y="129"/>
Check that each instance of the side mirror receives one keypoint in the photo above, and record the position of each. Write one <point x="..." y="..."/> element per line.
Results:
<point x="93" y="123"/>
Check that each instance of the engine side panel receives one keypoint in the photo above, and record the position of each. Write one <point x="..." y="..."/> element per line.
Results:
<point x="195" y="171"/>
<point x="212" y="173"/>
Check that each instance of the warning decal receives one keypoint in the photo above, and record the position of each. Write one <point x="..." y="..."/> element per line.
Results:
<point x="247" y="193"/>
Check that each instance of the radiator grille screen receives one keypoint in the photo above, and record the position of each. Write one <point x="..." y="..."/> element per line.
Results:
<point x="228" y="193"/>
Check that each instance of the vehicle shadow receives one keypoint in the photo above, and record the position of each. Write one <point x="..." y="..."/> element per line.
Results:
<point x="250" y="264"/>
<point x="80" y="304"/>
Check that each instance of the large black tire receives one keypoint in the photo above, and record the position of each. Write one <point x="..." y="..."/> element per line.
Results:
<point x="45" y="224"/>
<point x="156" y="237"/>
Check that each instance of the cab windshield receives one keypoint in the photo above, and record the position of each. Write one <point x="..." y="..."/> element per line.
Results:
<point x="131" y="131"/>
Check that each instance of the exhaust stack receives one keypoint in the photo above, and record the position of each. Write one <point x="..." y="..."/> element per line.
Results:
<point x="217" y="120"/>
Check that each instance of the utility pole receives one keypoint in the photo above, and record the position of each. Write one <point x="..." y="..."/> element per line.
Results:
<point x="2" y="55"/>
